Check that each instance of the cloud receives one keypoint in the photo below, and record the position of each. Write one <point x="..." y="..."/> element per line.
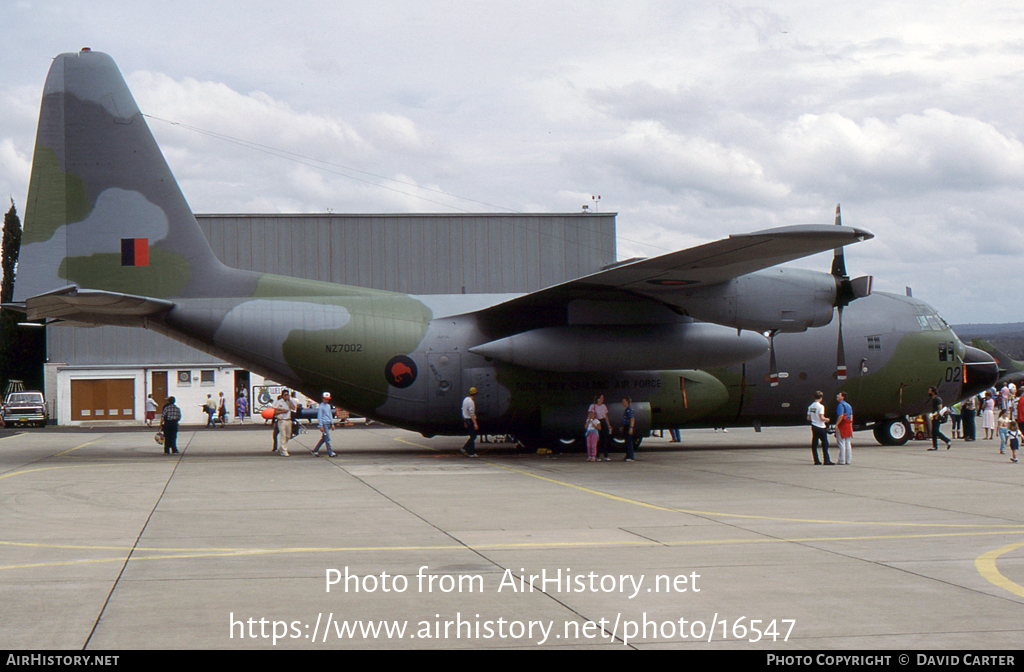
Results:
<point x="934" y="150"/>
<point x="394" y="131"/>
<point x="255" y="117"/>
<point x="14" y="169"/>
<point x="232" y="151"/>
<point x="650" y="153"/>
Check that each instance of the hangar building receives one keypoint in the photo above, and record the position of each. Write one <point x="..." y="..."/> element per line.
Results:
<point x="106" y="373"/>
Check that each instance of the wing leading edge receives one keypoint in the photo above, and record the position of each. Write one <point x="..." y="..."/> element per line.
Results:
<point x="669" y="278"/>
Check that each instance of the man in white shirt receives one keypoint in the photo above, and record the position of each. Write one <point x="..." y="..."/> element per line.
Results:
<point x="282" y="418"/>
<point x="469" y="420"/>
<point x="816" y="416"/>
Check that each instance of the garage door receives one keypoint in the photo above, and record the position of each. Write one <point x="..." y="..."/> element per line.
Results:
<point x="104" y="399"/>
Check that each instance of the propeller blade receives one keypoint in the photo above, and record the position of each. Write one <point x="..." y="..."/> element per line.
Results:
<point x="861" y="286"/>
<point x="847" y="290"/>
<point x="773" y="368"/>
<point x="839" y="259"/>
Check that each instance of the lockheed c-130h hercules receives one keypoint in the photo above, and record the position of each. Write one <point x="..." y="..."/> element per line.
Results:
<point x="713" y="335"/>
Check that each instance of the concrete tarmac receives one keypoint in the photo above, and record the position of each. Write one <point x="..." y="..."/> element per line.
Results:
<point x="723" y="541"/>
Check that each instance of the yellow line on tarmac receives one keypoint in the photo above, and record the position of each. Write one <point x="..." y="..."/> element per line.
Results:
<point x="986" y="563"/>
<point x="198" y="553"/>
<point x="418" y="445"/>
<point x="32" y="471"/>
<point x="73" y="466"/>
<point x="658" y="507"/>
<point x="697" y="512"/>
<point x="64" y="452"/>
<point x="986" y="566"/>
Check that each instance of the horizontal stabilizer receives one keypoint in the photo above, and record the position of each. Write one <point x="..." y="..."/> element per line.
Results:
<point x="71" y="304"/>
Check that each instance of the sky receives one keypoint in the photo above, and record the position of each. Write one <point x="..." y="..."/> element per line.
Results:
<point x="692" y="121"/>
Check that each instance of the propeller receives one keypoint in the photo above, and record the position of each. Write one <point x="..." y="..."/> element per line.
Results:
<point x="846" y="291"/>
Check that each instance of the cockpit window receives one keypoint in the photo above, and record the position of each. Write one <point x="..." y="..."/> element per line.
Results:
<point x="932" y="322"/>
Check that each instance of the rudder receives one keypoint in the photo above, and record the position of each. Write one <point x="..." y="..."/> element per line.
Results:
<point x="104" y="211"/>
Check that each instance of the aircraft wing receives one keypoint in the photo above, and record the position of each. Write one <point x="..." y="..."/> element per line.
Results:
<point x="669" y="277"/>
<point x="90" y="307"/>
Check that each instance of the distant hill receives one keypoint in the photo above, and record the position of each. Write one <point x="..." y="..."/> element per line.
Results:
<point x="1008" y="337"/>
<point x="974" y="330"/>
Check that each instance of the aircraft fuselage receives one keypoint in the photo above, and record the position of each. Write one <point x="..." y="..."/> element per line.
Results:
<point x="389" y="357"/>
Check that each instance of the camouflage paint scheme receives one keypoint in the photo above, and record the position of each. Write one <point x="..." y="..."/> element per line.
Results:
<point x="100" y="186"/>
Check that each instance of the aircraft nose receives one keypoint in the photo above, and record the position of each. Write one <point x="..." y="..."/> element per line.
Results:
<point x="980" y="372"/>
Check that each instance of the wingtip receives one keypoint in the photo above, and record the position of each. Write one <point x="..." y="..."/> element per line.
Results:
<point x="817" y="230"/>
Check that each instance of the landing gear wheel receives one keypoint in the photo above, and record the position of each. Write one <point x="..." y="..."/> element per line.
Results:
<point x="892" y="432"/>
<point x="573" y="445"/>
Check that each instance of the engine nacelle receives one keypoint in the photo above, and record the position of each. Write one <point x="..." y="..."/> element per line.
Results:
<point x="783" y="299"/>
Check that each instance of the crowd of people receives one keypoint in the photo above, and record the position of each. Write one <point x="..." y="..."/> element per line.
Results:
<point x="283" y="417"/>
<point x="599" y="430"/>
<point x="286" y="423"/>
<point x="999" y="411"/>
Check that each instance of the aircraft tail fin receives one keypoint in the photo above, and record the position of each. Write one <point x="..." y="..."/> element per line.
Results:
<point x="1006" y="363"/>
<point x="104" y="211"/>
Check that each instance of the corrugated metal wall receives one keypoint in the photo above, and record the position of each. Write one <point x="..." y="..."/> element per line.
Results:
<point x="414" y="254"/>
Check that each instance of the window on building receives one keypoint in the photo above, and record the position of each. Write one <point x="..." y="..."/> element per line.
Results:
<point x="206" y="377"/>
<point x="184" y="379"/>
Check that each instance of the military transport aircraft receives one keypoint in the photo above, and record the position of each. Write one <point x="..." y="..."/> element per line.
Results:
<point x="713" y="335"/>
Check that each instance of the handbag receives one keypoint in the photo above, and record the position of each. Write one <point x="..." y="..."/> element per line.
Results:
<point x="159" y="438"/>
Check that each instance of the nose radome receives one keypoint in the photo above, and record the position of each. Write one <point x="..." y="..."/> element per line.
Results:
<point x="980" y="372"/>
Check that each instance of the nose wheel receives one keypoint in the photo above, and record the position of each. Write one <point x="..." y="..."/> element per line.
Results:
<point x="892" y="432"/>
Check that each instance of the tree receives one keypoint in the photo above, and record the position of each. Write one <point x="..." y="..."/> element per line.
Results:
<point x="11" y="250"/>
<point x="22" y="350"/>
